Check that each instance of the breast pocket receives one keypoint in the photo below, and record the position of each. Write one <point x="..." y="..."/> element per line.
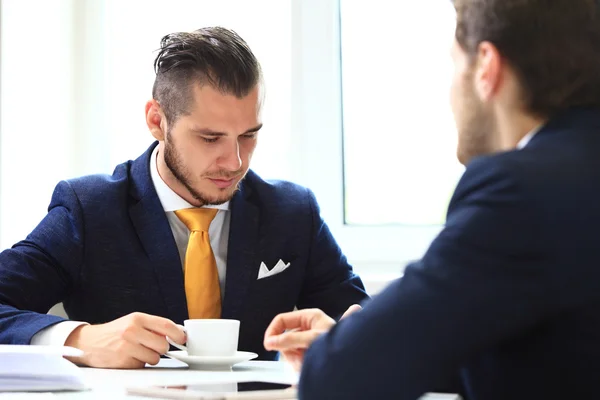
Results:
<point x="280" y="268"/>
<point x="281" y="286"/>
<point x="272" y="267"/>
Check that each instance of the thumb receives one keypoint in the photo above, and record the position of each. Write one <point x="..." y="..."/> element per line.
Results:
<point x="292" y="340"/>
<point x="351" y="310"/>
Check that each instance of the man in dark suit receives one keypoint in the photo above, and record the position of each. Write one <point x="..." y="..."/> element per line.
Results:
<point x="184" y="231"/>
<point x="509" y="292"/>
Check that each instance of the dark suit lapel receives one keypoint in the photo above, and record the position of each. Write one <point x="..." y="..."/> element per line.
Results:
<point x="154" y="231"/>
<point x="242" y="265"/>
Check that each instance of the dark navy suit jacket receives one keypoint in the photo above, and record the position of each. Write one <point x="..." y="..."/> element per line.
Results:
<point x="105" y="249"/>
<point x="508" y="293"/>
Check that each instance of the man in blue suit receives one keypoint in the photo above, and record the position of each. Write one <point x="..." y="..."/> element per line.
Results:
<point x="509" y="292"/>
<point x="113" y="248"/>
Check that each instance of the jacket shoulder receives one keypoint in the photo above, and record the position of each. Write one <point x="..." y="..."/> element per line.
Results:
<point x="102" y="187"/>
<point x="274" y="192"/>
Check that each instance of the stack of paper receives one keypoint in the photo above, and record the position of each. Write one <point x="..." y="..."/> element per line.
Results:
<point x="38" y="368"/>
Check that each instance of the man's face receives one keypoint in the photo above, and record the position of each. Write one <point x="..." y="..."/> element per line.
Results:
<point x="208" y="152"/>
<point x="475" y="120"/>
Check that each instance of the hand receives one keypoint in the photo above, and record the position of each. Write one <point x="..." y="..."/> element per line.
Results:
<point x="128" y="342"/>
<point x="351" y="310"/>
<point x="292" y="333"/>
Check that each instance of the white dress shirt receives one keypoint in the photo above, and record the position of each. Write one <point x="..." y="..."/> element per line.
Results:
<point x="527" y="138"/>
<point x="218" y="233"/>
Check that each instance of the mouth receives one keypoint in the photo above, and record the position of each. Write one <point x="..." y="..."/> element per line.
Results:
<point x="223" y="183"/>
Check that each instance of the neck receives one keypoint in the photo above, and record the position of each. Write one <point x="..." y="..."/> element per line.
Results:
<point x="512" y="126"/>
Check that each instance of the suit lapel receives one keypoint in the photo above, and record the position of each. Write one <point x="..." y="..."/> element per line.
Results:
<point x="241" y="254"/>
<point x="154" y="231"/>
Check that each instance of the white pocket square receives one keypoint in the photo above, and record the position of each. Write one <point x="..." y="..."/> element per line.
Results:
<point x="264" y="272"/>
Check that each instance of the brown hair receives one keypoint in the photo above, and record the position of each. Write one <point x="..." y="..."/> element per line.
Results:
<point x="553" y="45"/>
<point x="215" y="56"/>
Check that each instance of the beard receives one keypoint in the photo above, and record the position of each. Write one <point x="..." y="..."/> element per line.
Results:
<point x="182" y="174"/>
<point x="475" y="123"/>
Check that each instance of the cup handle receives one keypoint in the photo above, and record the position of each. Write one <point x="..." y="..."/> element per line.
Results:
<point x="179" y="346"/>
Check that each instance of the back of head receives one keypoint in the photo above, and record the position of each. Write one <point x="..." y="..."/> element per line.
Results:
<point x="209" y="56"/>
<point x="553" y="45"/>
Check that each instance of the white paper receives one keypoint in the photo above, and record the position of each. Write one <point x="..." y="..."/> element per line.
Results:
<point x="26" y="396"/>
<point x="55" y="350"/>
<point x="38" y="368"/>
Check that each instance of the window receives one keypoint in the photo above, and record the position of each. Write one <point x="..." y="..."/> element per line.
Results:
<point x="399" y="135"/>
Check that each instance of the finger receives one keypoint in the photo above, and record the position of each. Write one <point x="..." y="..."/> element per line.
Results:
<point x="164" y="327"/>
<point x="290" y="320"/>
<point x="294" y="358"/>
<point x="149" y="339"/>
<point x="143" y="354"/>
<point x="281" y="322"/>
<point x="351" y="310"/>
<point x="291" y="355"/>
<point x="292" y="340"/>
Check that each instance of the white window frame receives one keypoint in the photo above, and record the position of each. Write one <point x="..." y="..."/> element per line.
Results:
<point x="317" y="142"/>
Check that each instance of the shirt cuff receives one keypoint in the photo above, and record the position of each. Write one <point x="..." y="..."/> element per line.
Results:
<point x="55" y="335"/>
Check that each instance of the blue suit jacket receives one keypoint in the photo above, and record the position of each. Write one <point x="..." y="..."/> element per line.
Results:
<point x="509" y="292"/>
<point x="105" y="249"/>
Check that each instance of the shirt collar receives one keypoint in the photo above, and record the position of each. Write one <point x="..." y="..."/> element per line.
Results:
<point x="170" y="200"/>
<point x="527" y="138"/>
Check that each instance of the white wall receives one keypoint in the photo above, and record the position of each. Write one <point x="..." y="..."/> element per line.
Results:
<point x="36" y="124"/>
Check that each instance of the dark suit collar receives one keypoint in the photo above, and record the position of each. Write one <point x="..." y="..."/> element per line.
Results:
<point x="574" y="119"/>
<point x="153" y="229"/>
<point x="140" y="175"/>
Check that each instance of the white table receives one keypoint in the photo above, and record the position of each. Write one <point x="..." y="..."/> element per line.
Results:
<point x="109" y="384"/>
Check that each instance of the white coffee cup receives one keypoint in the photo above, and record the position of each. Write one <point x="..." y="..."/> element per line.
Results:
<point x="210" y="337"/>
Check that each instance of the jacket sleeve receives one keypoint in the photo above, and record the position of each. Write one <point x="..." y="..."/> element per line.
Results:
<point x="331" y="285"/>
<point x="482" y="280"/>
<point x="39" y="272"/>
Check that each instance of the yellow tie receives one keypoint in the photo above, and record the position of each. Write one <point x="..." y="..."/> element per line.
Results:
<point x="202" y="289"/>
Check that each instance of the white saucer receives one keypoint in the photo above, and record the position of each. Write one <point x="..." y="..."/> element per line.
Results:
<point x="211" y="363"/>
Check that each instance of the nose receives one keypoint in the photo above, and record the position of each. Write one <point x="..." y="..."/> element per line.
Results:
<point x="230" y="160"/>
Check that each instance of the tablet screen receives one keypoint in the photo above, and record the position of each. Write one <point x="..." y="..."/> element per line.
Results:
<point x="228" y="387"/>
